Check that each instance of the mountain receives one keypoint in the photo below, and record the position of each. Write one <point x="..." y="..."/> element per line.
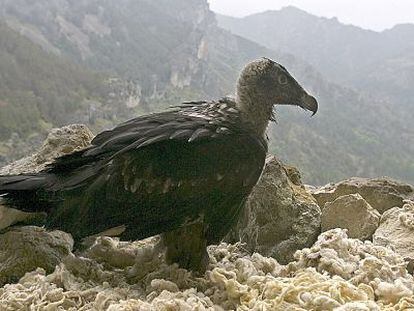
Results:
<point x="138" y="40"/>
<point x="381" y="63"/>
<point x="160" y="57"/>
<point x="39" y="90"/>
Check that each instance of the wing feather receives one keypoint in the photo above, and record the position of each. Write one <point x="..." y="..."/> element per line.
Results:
<point x="199" y="133"/>
<point x="180" y="134"/>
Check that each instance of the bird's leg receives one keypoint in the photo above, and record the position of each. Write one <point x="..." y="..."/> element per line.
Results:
<point x="187" y="247"/>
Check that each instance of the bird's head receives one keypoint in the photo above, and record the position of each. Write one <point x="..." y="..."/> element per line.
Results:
<point x="264" y="83"/>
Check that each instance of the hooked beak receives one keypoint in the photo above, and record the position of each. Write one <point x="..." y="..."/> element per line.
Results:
<point x="309" y="102"/>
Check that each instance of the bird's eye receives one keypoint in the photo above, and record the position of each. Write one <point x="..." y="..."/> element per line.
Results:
<point x="282" y="79"/>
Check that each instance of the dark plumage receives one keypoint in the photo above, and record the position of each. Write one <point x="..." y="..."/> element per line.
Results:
<point x="190" y="167"/>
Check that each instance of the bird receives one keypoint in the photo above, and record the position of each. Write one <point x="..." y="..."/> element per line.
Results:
<point x="184" y="173"/>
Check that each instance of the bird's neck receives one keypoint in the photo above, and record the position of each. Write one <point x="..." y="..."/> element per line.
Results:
<point x="254" y="109"/>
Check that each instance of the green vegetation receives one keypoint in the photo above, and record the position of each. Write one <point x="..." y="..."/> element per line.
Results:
<point x="38" y="88"/>
<point x="162" y="56"/>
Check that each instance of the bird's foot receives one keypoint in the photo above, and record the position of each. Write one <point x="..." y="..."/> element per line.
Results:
<point x="187" y="247"/>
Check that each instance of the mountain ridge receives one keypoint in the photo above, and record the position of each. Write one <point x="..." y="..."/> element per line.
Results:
<point x="339" y="142"/>
<point x="345" y="54"/>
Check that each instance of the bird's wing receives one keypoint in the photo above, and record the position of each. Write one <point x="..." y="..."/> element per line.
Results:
<point x="164" y="174"/>
<point x="127" y="135"/>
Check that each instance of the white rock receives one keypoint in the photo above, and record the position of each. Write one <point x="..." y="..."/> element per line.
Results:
<point x="353" y="213"/>
<point x="24" y="249"/>
<point x="280" y="216"/>
<point x="60" y="141"/>
<point x="381" y="193"/>
<point x="397" y="231"/>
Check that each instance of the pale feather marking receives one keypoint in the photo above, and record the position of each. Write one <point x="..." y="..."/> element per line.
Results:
<point x="167" y="184"/>
<point x="197" y="115"/>
<point x="219" y="177"/>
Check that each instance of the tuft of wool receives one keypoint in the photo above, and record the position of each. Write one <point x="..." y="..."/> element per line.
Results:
<point x="336" y="273"/>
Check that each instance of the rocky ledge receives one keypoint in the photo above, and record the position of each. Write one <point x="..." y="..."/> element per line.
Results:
<point x="344" y="246"/>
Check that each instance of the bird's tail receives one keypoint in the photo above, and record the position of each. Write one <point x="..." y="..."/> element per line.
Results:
<point x="22" y="198"/>
<point x="25" y="182"/>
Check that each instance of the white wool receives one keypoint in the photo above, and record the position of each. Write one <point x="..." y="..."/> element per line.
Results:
<point x="360" y="263"/>
<point x="337" y="273"/>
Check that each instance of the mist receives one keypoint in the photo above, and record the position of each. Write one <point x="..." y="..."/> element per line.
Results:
<point x="206" y="155"/>
<point x="368" y="14"/>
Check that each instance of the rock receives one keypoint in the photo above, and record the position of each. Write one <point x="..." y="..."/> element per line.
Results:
<point x="11" y="216"/>
<point x="293" y="174"/>
<point x="396" y="230"/>
<point x="280" y="217"/>
<point x="381" y="193"/>
<point x="60" y="141"/>
<point x="353" y="213"/>
<point x="24" y="249"/>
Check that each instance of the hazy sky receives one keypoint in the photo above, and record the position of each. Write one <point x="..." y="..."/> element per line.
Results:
<point x="370" y="14"/>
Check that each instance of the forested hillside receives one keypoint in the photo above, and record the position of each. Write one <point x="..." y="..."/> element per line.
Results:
<point x="38" y="89"/>
<point x="150" y="58"/>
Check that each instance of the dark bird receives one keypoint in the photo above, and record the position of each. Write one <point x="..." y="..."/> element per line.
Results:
<point x="185" y="172"/>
